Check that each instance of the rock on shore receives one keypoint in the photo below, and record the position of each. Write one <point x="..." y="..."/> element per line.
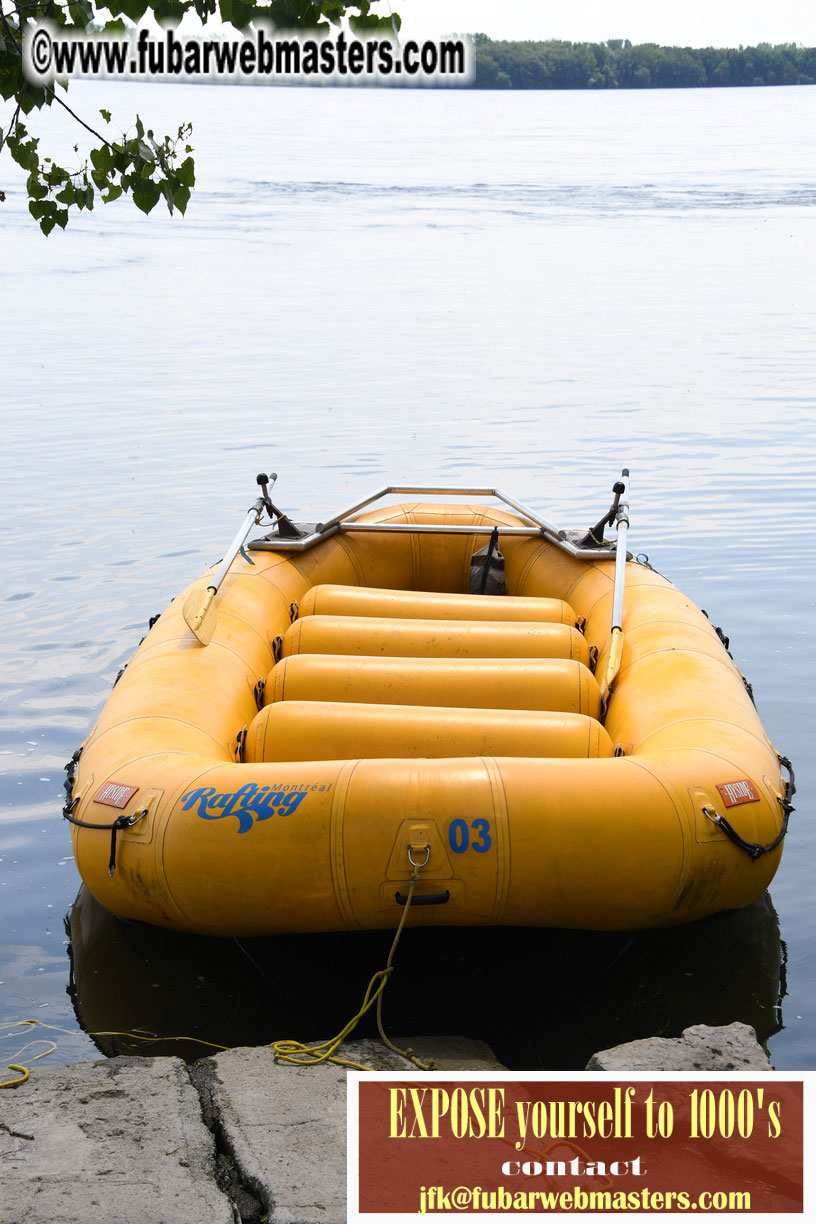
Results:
<point x="733" y="1047"/>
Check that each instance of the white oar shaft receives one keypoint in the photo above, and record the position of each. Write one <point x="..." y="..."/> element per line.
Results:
<point x="236" y="546"/>
<point x="620" y="577"/>
<point x="615" y="655"/>
<point x="622" y="520"/>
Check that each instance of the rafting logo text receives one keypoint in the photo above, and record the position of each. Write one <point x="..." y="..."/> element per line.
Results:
<point x="251" y="800"/>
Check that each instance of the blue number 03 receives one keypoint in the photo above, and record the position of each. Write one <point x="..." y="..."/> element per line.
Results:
<point x="459" y="836"/>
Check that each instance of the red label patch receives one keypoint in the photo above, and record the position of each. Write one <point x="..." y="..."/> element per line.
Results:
<point x="114" y="794"/>
<point x="733" y="793"/>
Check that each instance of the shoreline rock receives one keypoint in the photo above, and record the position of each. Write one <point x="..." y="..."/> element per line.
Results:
<point x="731" y="1047"/>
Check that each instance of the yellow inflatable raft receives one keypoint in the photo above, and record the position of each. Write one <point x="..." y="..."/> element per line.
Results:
<point x="341" y="708"/>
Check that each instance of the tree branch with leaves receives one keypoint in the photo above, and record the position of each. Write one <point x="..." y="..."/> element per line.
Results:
<point x="130" y="162"/>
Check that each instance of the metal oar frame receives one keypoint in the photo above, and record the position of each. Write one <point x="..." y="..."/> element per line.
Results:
<point x="314" y="533"/>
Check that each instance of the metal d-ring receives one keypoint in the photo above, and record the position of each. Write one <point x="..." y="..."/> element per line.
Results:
<point x="713" y="815"/>
<point x="424" y="862"/>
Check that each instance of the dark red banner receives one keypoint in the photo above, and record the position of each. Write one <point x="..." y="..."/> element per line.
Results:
<point x="471" y="1145"/>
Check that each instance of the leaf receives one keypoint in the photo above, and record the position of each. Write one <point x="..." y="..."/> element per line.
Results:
<point x="36" y="189"/>
<point x="106" y="115"/>
<point x="186" y="172"/>
<point x="168" y="12"/>
<point x="242" y="13"/>
<point x="81" y="13"/>
<point x="24" y="153"/>
<point x="47" y="224"/>
<point x="146" y="196"/>
<point x="114" y="192"/>
<point x="181" y="199"/>
<point x="238" y="12"/>
<point x="134" y="9"/>
<point x="102" y="159"/>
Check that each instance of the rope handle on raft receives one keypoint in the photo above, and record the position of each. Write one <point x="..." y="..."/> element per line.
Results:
<point x="753" y="849"/>
<point x="125" y="821"/>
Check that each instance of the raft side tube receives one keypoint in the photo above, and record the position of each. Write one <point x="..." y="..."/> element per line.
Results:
<point x="600" y="844"/>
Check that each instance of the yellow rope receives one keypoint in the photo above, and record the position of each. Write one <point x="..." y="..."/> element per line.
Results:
<point x="288" y="1051"/>
<point x="29" y="1023"/>
<point x="310" y="1056"/>
<point x="25" y="1071"/>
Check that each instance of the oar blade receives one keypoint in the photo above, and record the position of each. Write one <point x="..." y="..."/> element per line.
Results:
<point x="612" y="667"/>
<point x="199" y="613"/>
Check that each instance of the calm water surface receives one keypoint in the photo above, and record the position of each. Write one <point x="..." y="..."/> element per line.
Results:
<point x="524" y="290"/>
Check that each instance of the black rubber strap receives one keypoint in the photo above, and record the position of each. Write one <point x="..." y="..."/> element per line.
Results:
<point x="121" y="822"/>
<point x="753" y="848"/>
<point x="790" y="786"/>
<point x="491" y="548"/>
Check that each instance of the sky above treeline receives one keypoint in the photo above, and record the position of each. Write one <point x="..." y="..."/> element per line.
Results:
<point x="686" y="23"/>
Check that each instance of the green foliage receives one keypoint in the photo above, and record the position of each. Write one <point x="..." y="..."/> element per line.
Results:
<point x="131" y="162"/>
<point x="617" y="64"/>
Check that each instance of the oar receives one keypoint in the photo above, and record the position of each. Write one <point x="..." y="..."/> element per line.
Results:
<point x="616" y="645"/>
<point x="199" y="610"/>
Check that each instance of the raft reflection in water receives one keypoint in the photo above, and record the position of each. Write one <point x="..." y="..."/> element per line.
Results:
<point x="540" y="998"/>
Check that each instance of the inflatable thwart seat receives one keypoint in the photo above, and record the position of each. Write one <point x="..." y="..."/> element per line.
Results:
<point x="413" y="680"/>
<point x="335" y="707"/>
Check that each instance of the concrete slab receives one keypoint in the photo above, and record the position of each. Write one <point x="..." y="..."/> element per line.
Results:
<point x="284" y="1127"/>
<point x="236" y="1139"/>
<point x="120" y="1141"/>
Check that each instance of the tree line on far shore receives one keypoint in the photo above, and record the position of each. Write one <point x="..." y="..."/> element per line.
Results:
<point x="618" y="64"/>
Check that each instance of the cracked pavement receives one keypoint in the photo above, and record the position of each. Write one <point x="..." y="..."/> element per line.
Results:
<point x="234" y="1139"/>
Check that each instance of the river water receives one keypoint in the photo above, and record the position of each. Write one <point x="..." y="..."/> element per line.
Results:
<point x="524" y="290"/>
